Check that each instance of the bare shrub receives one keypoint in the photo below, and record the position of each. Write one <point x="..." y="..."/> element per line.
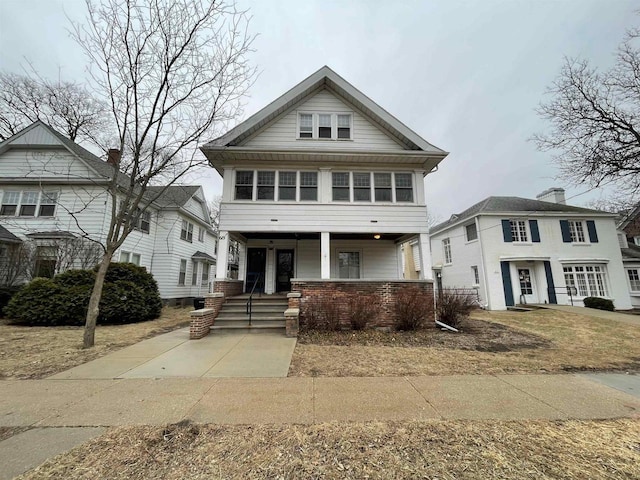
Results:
<point x="362" y="308"/>
<point x="322" y="314"/>
<point x="413" y="309"/>
<point x="454" y="306"/>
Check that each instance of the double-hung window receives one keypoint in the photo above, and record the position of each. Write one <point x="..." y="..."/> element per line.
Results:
<point x="340" y="182"/>
<point x="634" y="279"/>
<point x="349" y="264"/>
<point x="382" y="184"/>
<point x="48" y="204"/>
<point x="182" y="274"/>
<point x="194" y="273"/>
<point x="200" y="234"/>
<point x="306" y="125"/>
<point x="519" y="230"/>
<point x="324" y="126"/>
<point x="286" y="185"/>
<point x="361" y="187"/>
<point x="128" y="257"/>
<point x="471" y="232"/>
<point x="446" y="246"/>
<point x="10" y="201"/>
<point x="576" y="228"/>
<point x="266" y="185"/>
<point x="309" y="186"/>
<point x="344" y="126"/>
<point x="244" y="185"/>
<point x="186" y="233"/>
<point x="29" y="203"/>
<point x="205" y="274"/>
<point x="404" y="187"/>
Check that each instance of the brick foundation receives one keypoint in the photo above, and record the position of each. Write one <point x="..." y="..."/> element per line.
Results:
<point x="201" y="322"/>
<point x="229" y="287"/>
<point x="341" y="290"/>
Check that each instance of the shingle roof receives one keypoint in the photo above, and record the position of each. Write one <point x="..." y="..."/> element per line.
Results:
<point x="511" y="204"/>
<point x="172" y="196"/>
<point x="203" y="256"/>
<point x="633" y="252"/>
<point x="7" y="237"/>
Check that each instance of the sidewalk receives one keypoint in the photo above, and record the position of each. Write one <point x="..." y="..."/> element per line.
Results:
<point x="627" y="318"/>
<point x="58" y="403"/>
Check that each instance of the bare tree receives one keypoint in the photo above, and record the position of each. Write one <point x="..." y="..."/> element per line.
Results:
<point x="214" y="212"/>
<point x="66" y="106"/>
<point x="16" y="263"/>
<point x="594" y="119"/>
<point x="173" y="71"/>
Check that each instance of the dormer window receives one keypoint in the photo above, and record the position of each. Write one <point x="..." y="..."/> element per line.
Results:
<point x="325" y="126"/>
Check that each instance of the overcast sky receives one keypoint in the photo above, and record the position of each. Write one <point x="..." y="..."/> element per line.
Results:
<point x="465" y="75"/>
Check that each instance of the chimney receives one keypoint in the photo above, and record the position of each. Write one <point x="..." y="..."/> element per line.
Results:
<point x="553" y="195"/>
<point x="113" y="157"/>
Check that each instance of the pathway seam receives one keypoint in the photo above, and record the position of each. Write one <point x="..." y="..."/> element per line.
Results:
<point x="532" y="396"/>
<point x="223" y="356"/>
<point x="148" y="360"/>
<point x="186" y="415"/>
<point x="424" y="398"/>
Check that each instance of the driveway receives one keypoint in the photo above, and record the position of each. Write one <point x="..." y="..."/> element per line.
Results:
<point x="220" y="354"/>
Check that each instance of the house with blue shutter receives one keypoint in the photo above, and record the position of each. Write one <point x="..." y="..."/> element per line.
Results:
<point x="522" y="251"/>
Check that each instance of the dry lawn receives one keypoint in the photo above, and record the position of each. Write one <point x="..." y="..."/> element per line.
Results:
<point x="491" y="343"/>
<point x="37" y="352"/>
<point x="442" y="450"/>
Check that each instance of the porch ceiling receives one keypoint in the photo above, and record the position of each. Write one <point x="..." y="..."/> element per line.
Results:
<point x="316" y="236"/>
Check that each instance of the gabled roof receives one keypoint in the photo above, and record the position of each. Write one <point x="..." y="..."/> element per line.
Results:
<point x="172" y="196"/>
<point x="203" y="256"/>
<point x="513" y="205"/>
<point x="7" y="237"/>
<point x="326" y="78"/>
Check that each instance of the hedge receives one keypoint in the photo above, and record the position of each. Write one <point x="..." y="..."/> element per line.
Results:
<point x="130" y="294"/>
<point x="599" y="303"/>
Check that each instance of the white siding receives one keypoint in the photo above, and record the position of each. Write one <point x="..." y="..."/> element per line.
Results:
<point x="46" y="163"/>
<point x="243" y="217"/>
<point x="283" y="133"/>
<point x="195" y="208"/>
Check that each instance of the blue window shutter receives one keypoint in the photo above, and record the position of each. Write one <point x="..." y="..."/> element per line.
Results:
<point x="506" y="283"/>
<point x="506" y="231"/>
<point x="551" y="287"/>
<point x="566" y="233"/>
<point x="591" y="228"/>
<point x="535" y="233"/>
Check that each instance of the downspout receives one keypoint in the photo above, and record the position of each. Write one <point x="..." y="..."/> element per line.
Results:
<point x="485" y="280"/>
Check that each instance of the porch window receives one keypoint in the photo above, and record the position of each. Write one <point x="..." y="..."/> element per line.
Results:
<point x="266" y="185"/>
<point x="362" y="187"/>
<point x="519" y="230"/>
<point x="349" y="264"/>
<point x="182" y="275"/>
<point x="205" y="274"/>
<point x="404" y="187"/>
<point x="29" y="203"/>
<point x="286" y="185"/>
<point x="309" y="186"/>
<point x="588" y="280"/>
<point x="324" y="126"/>
<point x="306" y="125"/>
<point x="340" y="186"/>
<point x="634" y="279"/>
<point x="576" y="228"/>
<point x="46" y="259"/>
<point x="382" y="182"/>
<point x="10" y="201"/>
<point x="48" y="204"/>
<point x="194" y="273"/>
<point x="446" y="247"/>
<point x="344" y="126"/>
<point x="244" y="185"/>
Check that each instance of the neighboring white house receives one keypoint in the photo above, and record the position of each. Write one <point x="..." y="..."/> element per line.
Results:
<point x="629" y="237"/>
<point x="53" y="195"/>
<point x="321" y="184"/>
<point x="518" y="250"/>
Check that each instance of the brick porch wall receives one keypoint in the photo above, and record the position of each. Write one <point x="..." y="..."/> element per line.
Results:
<point x="229" y="287"/>
<point x="341" y="290"/>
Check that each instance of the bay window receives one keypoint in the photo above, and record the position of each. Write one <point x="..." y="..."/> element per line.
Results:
<point x="588" y="280"/>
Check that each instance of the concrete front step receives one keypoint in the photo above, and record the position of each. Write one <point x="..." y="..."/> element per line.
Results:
<point x="239" y="326"/>
<point x="241" y="309"/>
<point x="254" y="317"/>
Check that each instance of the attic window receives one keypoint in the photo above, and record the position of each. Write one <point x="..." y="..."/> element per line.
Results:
<point x="344" y="126"/>
<point x="306" y="125"/>
<point x="326" y="126"/>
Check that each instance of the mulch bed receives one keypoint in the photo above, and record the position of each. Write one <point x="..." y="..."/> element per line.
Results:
<point x="474" y="334"/>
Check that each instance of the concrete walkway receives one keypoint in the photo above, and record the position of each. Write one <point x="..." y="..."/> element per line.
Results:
<point x="60" y="403"/>
<point x="220" y="354"/>
<point x="627" y="318"/>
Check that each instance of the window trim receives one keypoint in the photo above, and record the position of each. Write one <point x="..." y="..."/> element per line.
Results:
<point x="446" y="247"/>
<point x="37" y="206"/>
<point x="527" y="234"/>
<point x="188" y="231"/>
<point x="466" y="233"/>
<point x="584" y="273"/>
<point x="315" y="122"/>
<point x="583" y="228"/>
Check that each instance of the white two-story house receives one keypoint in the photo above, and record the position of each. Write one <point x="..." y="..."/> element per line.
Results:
<point x="322" y="185"/>
<point x="522" y="251"/>
<point x="54" y="198"/>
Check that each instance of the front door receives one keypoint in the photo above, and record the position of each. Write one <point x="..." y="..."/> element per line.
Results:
<point x="527" y="286"/>
<point x="284" y="270"/>
<point x="256" y="263"/>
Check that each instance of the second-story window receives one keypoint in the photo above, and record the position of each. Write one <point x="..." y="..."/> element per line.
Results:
<point x="200" y="234"/>
<point x="519" y="231"/>
<point x="340" y="183"/>
<point x="266" y="185"/>
<point x="404" y="187"/>
<point x="577" y="231"/>
<point x="309" y="186"/>
<point x="48" y="204"/>
<point x="244" y="185"/>
<point x="29" y="203"/>
<point x="446" y="246"/>
<point x="382" y="183"/>
<point x="10" y="201"/>
<point x="186" y="233"/>
<point x="361" y="187"/>
<point x="471" y="232"/>
<point x="286" y="185"/>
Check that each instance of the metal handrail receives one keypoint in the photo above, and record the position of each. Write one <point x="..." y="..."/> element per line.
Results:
<point x="571" y="291"/>
<point x="249" y="307"/>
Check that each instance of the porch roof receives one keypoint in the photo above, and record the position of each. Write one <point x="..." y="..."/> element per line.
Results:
<point x="7" y="237"/>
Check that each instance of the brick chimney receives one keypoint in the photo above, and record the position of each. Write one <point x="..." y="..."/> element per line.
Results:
<point x="113" y="156"/>
<point x="553" y="195"/>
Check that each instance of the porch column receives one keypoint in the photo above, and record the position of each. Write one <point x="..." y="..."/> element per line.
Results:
<point x="325" y="256"/>
<point x="400" y="259"/>
<point x="242" y="258"/>
<point x="425" y="257"/>
<point x="222" y="262"/>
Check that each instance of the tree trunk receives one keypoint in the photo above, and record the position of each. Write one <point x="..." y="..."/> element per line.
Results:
<point x="94" y="302"/>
